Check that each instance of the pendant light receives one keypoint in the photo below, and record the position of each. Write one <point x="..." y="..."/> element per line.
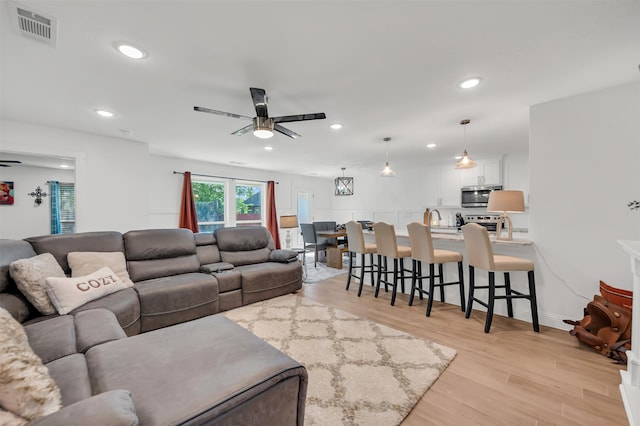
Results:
<point x="465" y="162"/>
<point x="387" y="172"/>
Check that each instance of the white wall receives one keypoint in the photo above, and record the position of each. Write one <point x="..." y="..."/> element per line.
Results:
<point x="584" y="153"/>
<point x="112" y="183"/>
<point x="26" y="218"/>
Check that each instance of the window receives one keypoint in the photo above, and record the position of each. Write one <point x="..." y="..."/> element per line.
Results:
<point x="67" y="208"/>
<point x="209" y="199"/>
<point x="217" y="201"/>
<point x="249" y="204"/>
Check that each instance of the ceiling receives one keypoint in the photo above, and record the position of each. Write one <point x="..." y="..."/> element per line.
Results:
<point x="382" y="69"/>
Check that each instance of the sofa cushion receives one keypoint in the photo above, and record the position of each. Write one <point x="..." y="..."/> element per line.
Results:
<point x="72" y="377"/>
<point x="228" y="280"/>
<point x="243" y="238"/>
<point x="66" y="294"/>
<point x="11" y="250"/>
<point x="61" y="244"/>
<point x="30" y="274"/>
<point x="171" y="300"/>
<point x="114" y="408"/>
<point x="87" y="262"/>
<point x="248" y="257"/>
<point x="156" y="253"/>
<point x="222" y="367"/>
<point x="53" y="338"/>
<point x="95" y="327"/>
<point x="206" y="248"/>
<point x="124" y="304"/>
<point x="27" y="389"/>
<point x="267" y="280"/>
<point x="16" y="304"/>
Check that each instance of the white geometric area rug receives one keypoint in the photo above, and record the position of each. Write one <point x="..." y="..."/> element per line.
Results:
<point x="320" y="272"/>
<point x="360" y="372"/>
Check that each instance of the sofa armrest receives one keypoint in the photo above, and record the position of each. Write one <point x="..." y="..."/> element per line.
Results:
<point x="52" y="338"/>
<point x="96" y="326"/>
<point x="112" y="408"/>
<point x="283" y="256"/>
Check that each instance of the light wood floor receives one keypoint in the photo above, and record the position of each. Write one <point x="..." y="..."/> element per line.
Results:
<point x="511" y="376"/>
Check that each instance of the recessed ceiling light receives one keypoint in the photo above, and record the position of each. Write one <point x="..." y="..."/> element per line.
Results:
<point x="431" y="145"/>
<point x="64" y="166"/>
<point x="469" y="83"/>
<point x="336" y="126"/>
<point x="131" y="51"/>
<point x="268" y="148"/>
<point x="104" y="113"/>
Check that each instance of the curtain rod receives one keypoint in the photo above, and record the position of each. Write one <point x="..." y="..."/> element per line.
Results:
<point x="224" y="177"/>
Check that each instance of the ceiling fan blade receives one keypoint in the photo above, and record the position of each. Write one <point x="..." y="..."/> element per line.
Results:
<point x="213" y="111"/>
<point x="11" y="161"/>
<point x="299" y="117"/>
<point x="244" y="130"/>
<point x="259" y="101"/>
<point x="285" y="131"/>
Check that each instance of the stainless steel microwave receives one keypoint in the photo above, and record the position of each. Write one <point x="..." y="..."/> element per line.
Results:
<point x="477" y="195"/>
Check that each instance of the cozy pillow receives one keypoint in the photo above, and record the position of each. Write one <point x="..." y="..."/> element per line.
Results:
<point x="29" y="275"/>
<point x="66" y="294"/>
<point x="87" y="262"/>
<point x="26" y="389"/>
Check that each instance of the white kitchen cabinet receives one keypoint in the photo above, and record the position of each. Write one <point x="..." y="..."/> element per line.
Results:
<point x="442" y="186"/>
<point x="432" y="186"/>
<point x="488" y="172"/>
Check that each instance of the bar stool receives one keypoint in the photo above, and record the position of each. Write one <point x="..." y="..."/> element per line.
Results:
<point x="388" y="248"/>
<point x="480" y="255"/>
<point x="357" y="245"/>
<point x="422" y="251"/>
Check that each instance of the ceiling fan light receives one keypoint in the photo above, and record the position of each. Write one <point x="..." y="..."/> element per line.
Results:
<point x="263" y="133"/>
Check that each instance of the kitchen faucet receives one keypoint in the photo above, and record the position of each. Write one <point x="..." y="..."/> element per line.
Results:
<point x="431" y="214"/>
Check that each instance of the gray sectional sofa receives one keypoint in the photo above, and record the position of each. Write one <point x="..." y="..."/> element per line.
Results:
<point x="155" y="353"/>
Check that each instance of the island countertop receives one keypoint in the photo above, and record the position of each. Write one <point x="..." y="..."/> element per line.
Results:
<point x="452" y="234"/>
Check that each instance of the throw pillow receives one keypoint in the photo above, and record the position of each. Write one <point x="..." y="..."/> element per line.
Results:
<point x="7" y="418"/>
<point x="29" y="275"/>
<point x="66" y="294"/>
<point x="87" y="262"/>
<point x="26" y="389"/>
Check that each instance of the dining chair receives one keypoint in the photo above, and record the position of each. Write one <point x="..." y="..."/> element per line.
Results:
<point x="357" y="245"/>
<point x="480" y="255"/>
<point x="422" y="251"/>
<point x="310" y="239"/>
<point x="388" y="247"/>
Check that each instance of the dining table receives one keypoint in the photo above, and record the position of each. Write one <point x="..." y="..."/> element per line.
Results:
<point x="334" y="253"/>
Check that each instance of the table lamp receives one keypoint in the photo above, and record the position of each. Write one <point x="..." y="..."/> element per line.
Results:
<point x="505" y="201"/>
<point x="288" y="222"/>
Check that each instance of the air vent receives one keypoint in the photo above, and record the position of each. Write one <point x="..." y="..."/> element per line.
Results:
<point x="33" y="24"/>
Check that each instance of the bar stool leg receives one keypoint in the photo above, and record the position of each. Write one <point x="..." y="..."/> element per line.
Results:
<point x="420" y="280"/>
<point x="361" y="274"/>
<point x="402" y="274"/>
<point x="461" y="281"/>
<point x="507" y="289"/>
<point x="472" y="287"/>
<point x="351" y="254"/>
<point x="441" y="275"/>
<point x="534" y="302"/>
<point x="395" y="281"/>
<point x="432" y="284"/>
<point x="414" y="275"/>
<point x="373" y="282"/>
<point x="379" y="275"/>
<point x="492" y="295"/>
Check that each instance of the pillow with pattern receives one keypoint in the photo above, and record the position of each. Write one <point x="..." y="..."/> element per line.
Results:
<point x="30" y="274"/>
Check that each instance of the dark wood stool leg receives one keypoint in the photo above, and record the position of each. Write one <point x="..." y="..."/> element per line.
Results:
<point x="379" y="275"/>
<point x="420" y="280"/>
<point x="472" y="286"/>
<point x="373" y="281"/>
<point x="395" y="281"/>
<point x="351" y="255"/>
<point x="432" y="285"/>
<point x="441" y="274"/>
<point x="402" y="274"/>
<point x="534" y="302"/>
<point x="414" y="274"/>
<point x="461" y="280"/>
<point x="492" y="295"/>
<point x="507" y="289"/>
<point x="361" y="274"/>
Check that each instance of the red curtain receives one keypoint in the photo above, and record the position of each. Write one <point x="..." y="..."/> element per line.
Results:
<point x="188" y="216"/>
<point x="272" y="216"/>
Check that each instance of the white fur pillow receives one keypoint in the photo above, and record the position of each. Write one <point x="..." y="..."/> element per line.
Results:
<point x="66" y="294"/>
<point x="86" y="262"/>
<point x="29" y="275"/>
<point x="26" y="389"/>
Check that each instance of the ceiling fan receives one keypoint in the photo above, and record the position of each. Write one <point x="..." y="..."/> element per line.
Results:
<point x="2" y="162"/>
<point x="263" y="125"/>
